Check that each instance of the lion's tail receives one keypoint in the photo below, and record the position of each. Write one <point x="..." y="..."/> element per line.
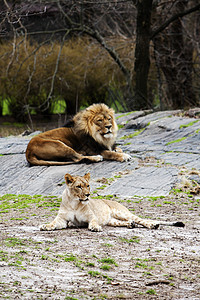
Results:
<point x="34" y="161"/>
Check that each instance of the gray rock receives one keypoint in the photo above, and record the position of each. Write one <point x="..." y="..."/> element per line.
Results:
<point x="143" y="121"/>
<point x="166" y="138"/>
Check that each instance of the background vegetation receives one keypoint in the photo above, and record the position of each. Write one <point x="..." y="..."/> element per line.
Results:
<point x="59" y="56"/>
<point x="75" y="74"/>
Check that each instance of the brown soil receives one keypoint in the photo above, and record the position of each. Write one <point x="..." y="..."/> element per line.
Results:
<point x="118" y="263"/>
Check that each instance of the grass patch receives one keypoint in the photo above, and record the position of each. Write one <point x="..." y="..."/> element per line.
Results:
<point x="70" y="257"/>
<point x="189" y="124"/>
<point x="176" y="141"/>
<point x="108" y="260"/>
<point x="134" y="239"/>
<point x="124" y="115"/>
<point x="99" y="274"/>
<point x="94" y="273"/>
<point x="137" y="132"/>
<point x="70" y="298"/>
<point x="21" y="202"/>
<point x="13" y="242"/>
<point x="151" y="292"/>
<point x="105" y="267"/>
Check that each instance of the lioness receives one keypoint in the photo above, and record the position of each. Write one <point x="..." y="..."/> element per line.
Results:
<point x="91" y="135"/>
<point x="78" y="208"/>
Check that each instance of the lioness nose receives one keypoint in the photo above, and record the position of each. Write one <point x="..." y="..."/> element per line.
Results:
<point x="108" y="126"/>
<point x="87" y="195"/>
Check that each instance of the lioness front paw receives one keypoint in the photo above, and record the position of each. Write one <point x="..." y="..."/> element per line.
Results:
<point x="153" y="225"/>
<point x="96" y="228"/>
<point x="126" y="157"/>
<point x="131" y="225"/>
<point x="47" y="227"/>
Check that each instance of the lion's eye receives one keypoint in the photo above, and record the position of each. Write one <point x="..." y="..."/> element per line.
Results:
<point x="88" y="186"/>
<point x="79" y="186"/>
<point x="99" y="120"/>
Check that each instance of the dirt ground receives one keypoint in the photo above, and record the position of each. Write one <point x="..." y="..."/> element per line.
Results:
<point x="117" y="263"/>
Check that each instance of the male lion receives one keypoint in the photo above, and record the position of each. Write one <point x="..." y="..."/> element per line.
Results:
<point x="91" y="135"/>
<point x="78" y="208"/>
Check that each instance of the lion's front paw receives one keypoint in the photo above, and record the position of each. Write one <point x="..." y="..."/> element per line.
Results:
<point x="119" y="150"/>
<point x="99" y="158"/>
<point x="96" y="158"/>
<point x="126" y="157"/>
<point x="47" y="227"/>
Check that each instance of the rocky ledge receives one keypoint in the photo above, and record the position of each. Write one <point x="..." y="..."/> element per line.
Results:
<point x="165" y="150"/>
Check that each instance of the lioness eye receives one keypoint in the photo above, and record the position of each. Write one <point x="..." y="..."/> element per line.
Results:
<point x="79" y="186"/>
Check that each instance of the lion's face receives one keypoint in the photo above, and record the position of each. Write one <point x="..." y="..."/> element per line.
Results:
<point x="101" y="124"/>
<point x="79" y="187"/>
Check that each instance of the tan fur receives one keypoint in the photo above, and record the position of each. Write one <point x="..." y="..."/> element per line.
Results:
<point x="92" y="137"/>
<point x="78" y="208"/>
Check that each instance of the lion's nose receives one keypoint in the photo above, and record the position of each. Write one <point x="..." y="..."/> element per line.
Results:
<point x="87" y="195"/>
<point x="108" y="126"/>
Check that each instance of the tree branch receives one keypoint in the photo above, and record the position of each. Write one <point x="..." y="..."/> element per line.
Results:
<point x="174" y="18"/>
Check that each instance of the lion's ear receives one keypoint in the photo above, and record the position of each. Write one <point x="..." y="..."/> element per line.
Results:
<point x="87" y="176"/>
<point x="69" y="179"/>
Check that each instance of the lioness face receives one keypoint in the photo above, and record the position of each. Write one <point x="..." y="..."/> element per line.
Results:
<point x="79" y="187"/>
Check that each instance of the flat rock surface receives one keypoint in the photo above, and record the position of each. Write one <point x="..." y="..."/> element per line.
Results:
<point x="160" y="144"/>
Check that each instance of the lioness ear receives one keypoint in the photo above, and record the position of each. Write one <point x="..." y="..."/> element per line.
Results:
<point x="87" y="176"/>
<point x="68" y="178"/>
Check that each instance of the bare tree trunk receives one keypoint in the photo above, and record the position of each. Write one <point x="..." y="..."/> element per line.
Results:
<point x="142" y="60"/>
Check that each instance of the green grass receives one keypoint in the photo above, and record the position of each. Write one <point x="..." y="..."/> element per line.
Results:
<point x="107" y="197"/>
<point x="59" y="107"/>
<point x="21" y="202"/>
<point x="70" y="298"/>
<point x="136" y="133"/>
<point x="99" y="274"/>
<point x="94" y="273"/>
<point x="108" y="260"/>
<point x="124" y="115"/>
<point x="5" y="109"/>
<point x="189" y="124"/>
<point x="13" y="242"/>
<point x="141" y="265"/>
<point x="120" y="126"/>
<point x="177" y="141"/>
<point x="105" y="267"/>
<point x="70" y="257"/>
<point x="107" y="245"/>
<point x="134" y="239"/>
<point x="151" y="292"/>
<point x="101" y="187"/>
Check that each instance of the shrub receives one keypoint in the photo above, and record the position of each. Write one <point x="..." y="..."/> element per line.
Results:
<point x="34" y="77"/>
